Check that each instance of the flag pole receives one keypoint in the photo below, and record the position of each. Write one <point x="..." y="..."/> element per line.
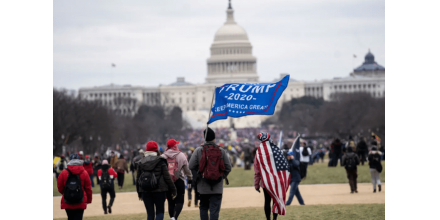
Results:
<point x="210" y="112"/>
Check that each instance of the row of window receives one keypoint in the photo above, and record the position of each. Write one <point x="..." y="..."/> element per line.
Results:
<point x="228" y="51"/>
<point x="112" y="94"/>
<point x="356" y="86"/>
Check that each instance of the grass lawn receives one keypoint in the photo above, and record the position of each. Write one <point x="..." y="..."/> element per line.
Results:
<point x="331" y="212"/>
<point x="318" y="173"/>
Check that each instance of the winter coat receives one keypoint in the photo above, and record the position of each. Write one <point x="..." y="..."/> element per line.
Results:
<point x="158" y="165"/>
<point x="112" y="160"/>
<point x="294" y="170"/>
<point x="374" y="158"/>
<point x="302" y="158"/>
<point x="182" y="163"/>
<point x="111" y="172"/>
<point x="133" y="164"/>
<point x="120" y="166"/>
<point x="350" y="155"/>
<point x="202" y="186"/>
<point x="96" y="166"/>
<point x="337" y="147"/>
<point x="76" y="167"/>
<point x="362" y="147"/>
<point x="88" y="166"/>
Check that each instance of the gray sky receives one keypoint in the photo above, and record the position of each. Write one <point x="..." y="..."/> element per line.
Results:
<point x="153" y="42"/>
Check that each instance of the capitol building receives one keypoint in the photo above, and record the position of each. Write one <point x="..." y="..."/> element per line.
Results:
<point x="231" y="61"/>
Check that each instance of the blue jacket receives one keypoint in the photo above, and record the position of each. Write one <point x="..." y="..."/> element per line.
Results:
<point x="294" y="170"/>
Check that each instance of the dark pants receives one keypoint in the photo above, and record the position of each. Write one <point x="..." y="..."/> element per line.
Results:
<point x="175" y="205"/>
<point x="267" y="206"/>
<point x="97" y="179"/>
<point x="303" y="169"/>
<point x="336" y="156"/>
<point x="57" y="175"/>
<point x="75" y="214"/>
<point x="104" y="192"/>
<point x="211" y="202"/>
<point x="152" y="201"/>
<point x="362" y="157"/>
<point x="121" y="179"/>
<point x="294" y="191"/>
<point x="196" y="194"/>
<point x="352" y="179"/>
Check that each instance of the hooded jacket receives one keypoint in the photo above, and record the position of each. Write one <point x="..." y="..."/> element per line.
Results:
<point x="374" y="158"/>
<point x="295" y="175"/>
<point x="88" y="166"/>
<point x="111" y="172"/>
<point x="121" y="165"/>
<point x="350" y="155"/>
<point x="76" y="167"/>
<point x="160" y="171"/>
<point x="182" y="163"/>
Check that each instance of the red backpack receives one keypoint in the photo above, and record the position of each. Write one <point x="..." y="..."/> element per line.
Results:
<point x="172" y="168"/>
<point x="211" y="166"/>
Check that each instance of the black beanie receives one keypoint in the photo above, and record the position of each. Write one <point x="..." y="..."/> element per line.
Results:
<point x="349" y="149"/>
<point x="210" y="136"/>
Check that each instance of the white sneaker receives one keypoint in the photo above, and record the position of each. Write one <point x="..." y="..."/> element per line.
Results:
<point x="173" y="218"/>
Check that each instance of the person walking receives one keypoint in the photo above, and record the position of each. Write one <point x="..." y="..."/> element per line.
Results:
<point x="362" y="150"/>
<point x="337" y="151"/>
<point x="375" y="167"/>
<point x="106" y="176"/>
<point x="60" y="166"/>
<point x="96" y="166"/>
<point x="134" y="165"/>
<point x="350" y="161"/>
<point x="295" y="179"/>
<point x="178" y="169"/>
<point x="88" y="166"/>
<point x="75" y="187"/>
<point x="305" y="154"/>
<point x="153" y="193"/>
<point x="112" y="159"/>
<point x="273" y="187"/>
<point x="121" y="166"/>
<point x="210" y="189"/>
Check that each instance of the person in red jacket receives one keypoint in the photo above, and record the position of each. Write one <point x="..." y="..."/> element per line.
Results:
<point x="75" y="166"/>
<point x="107" y="186"/>
<point x="88" y="166"/>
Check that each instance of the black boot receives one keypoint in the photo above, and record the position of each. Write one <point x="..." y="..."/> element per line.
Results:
<point x="374" y="190"/>
<point x="380" y="188"/>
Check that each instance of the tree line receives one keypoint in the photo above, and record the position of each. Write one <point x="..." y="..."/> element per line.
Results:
<point x="94" y="127"/>
<point x="348" y="114"/>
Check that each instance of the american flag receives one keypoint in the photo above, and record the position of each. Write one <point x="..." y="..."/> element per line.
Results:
<point x="275" y="175"/>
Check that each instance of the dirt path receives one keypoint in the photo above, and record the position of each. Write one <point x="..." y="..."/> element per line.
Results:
<point x="128" y="203"/>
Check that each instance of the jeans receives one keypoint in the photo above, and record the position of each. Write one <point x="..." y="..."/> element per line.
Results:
<point x="294" y="191"/>
<point x="303" y="169"/>
<point x="211" y="202"/>
<point x="104" y="197"/>
<point x="75" y="214"/>
<point x="375" y="177"/>
<point x="267" y="206"/>
<point x="352" y="179"/>
<point x="154" y="200"/>
<point x="336" y="156"/>
<point x="196" y="194"/>
<point x="175" y="205"/>
<point x="91" y="180"/>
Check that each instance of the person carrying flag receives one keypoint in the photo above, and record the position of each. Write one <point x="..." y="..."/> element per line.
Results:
<point x="272" y="174"/>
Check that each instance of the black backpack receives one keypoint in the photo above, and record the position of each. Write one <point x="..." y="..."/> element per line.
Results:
<point x="305" y="151"/>
<point x="105" y="180"/>
<point x="350" y="163"/>
<point x="73" y="191"/>
<point x="61" y="166"/>
<point x="148" y="181"/>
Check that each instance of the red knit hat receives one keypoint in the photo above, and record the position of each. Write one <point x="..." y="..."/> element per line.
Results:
<point x="171" y="142"/>
<point x="152" y="146"/>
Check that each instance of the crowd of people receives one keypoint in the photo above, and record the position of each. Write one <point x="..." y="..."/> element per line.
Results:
<point x="166" y="173"/>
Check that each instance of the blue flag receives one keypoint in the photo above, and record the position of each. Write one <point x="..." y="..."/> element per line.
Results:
<point x="295" y="147"/>
<point x="241" y="99"/>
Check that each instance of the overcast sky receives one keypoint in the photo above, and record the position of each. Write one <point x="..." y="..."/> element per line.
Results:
<point x="154" y="42"/>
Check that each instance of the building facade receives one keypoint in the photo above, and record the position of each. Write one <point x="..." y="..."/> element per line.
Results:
<point x="231" y="60"/>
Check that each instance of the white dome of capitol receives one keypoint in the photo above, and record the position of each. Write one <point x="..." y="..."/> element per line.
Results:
<point x="230" y="32"/>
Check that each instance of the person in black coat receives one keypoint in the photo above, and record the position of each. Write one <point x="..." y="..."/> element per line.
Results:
<point x="362" y="150"/>
<point x="375" y="167"/>
<point x="295" y="179"/>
